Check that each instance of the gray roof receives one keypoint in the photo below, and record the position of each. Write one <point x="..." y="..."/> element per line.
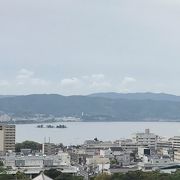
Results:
<point x="116" y="149"/>
<point x="42" y="177"/>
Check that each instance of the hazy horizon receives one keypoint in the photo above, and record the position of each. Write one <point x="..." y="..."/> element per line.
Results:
<point x="145" y="92"/>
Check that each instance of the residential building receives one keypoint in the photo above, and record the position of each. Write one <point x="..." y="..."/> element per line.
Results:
<point x="128" y="145"/>
<point x="146" y="139"/>
<point x="175" y="142"/>
<point x="177" y="156"/>
<point x="49" y="149"/>
<point x="152" y="163"/>
<point x="7" y="138"/>
<point x="143" y="152"/>
<point x="98" y="164"/>
<point x="164" y="144"/>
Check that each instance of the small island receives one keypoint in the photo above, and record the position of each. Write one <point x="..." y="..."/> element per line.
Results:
<point x="51" y="126"/>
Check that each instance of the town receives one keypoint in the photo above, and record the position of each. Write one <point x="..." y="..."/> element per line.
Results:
<point x="144" y="151"/>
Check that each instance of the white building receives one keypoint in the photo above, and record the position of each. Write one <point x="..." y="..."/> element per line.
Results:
<point x="64" y="158"/>
<point x="177" y="156"/>
<point x="128" y="145"/>
<point x="98" y="163"/>
<point x="164" y="144"/>
<point x="117" y="153"/>
<point x="155" y="163"/>
<point x="106" y="153"/>
<point x="145" y="139"/>
<point x="142" y="151"/>
<point x="175" y="142"/>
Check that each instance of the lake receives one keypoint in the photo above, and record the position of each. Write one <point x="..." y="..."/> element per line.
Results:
<point x="78" y="132"/>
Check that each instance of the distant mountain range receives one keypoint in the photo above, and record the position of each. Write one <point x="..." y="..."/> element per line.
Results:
<point x="138" y="96"/>
<point x="96" y="107"/>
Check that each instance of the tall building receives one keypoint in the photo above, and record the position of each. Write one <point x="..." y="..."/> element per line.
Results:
<point x="49" y="149"/>
<point x="146" y="139"/>
<point x="7" y="138"/>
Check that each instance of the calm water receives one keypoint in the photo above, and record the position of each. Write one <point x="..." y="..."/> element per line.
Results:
<point x="78" y="132"/>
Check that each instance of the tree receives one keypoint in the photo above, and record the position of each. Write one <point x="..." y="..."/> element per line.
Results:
<point x="52" y="173"/>
<point x="57" y="175"/>
<point x="6" y="177"/>
<point x="21" y="176"/>
<point x="28" y="145"/>
<point x="103" y="176"/>
<point x="64" y="176"/>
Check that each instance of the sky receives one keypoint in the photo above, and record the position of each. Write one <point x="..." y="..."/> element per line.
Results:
<point x="72" y="47"/>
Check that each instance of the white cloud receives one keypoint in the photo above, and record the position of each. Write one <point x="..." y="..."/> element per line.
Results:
<point x="128" y="80"/>
<point x="127" y="83"/>
<point x="27" y="78"/>
<point x="24" y="74"/>
<point x="37" y="81"/>
<point x="4" y="83"/>
<point x="98" y="76"/>
<point x="26" y="81"/>
<point x="98" y="82"/>
<point x="70" y="82"/>
<point x="85" y="84"/>
<point x="100" y="85"/>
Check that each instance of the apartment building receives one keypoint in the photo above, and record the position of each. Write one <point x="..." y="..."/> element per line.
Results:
<point x="175" y="142"/>
<point x="145" y="139"/>
<point x="49" y="148"/>
<point x="7" y="138"/>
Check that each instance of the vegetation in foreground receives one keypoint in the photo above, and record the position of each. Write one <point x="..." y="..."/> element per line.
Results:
<point x="57" y="175"/>
<point x="139" y="175"/>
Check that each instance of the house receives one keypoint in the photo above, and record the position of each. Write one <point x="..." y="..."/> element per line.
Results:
<point x="98" y="164"/>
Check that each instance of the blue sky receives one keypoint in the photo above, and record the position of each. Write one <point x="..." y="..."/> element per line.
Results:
<point x="85" y="46"/>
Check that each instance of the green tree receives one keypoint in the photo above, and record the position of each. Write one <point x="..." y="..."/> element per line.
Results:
<point x="28" y="145"/>
<point x="64" y="176"/>
<point x="52" y="173"/>
<point x="21" y="176"/>
<point x="6" y="177"/>
<point x="103" y="176"/>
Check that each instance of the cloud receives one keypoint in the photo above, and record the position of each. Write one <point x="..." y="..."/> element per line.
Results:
<point x="128" y="80"/>
<point x="85" y="84"/>
<point x="27" y="78"/>
<point x="98" y="76"/>
<point x="25" y="74"/>
<point x="98" y="82"/>
<point x="70" y="82"/>
<point x="37" y="81"/>
<point x="26" y="81"/>
<point x="100" y="85"/>
<point x="4" y="83"/>
<point x="127" y="83"/>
